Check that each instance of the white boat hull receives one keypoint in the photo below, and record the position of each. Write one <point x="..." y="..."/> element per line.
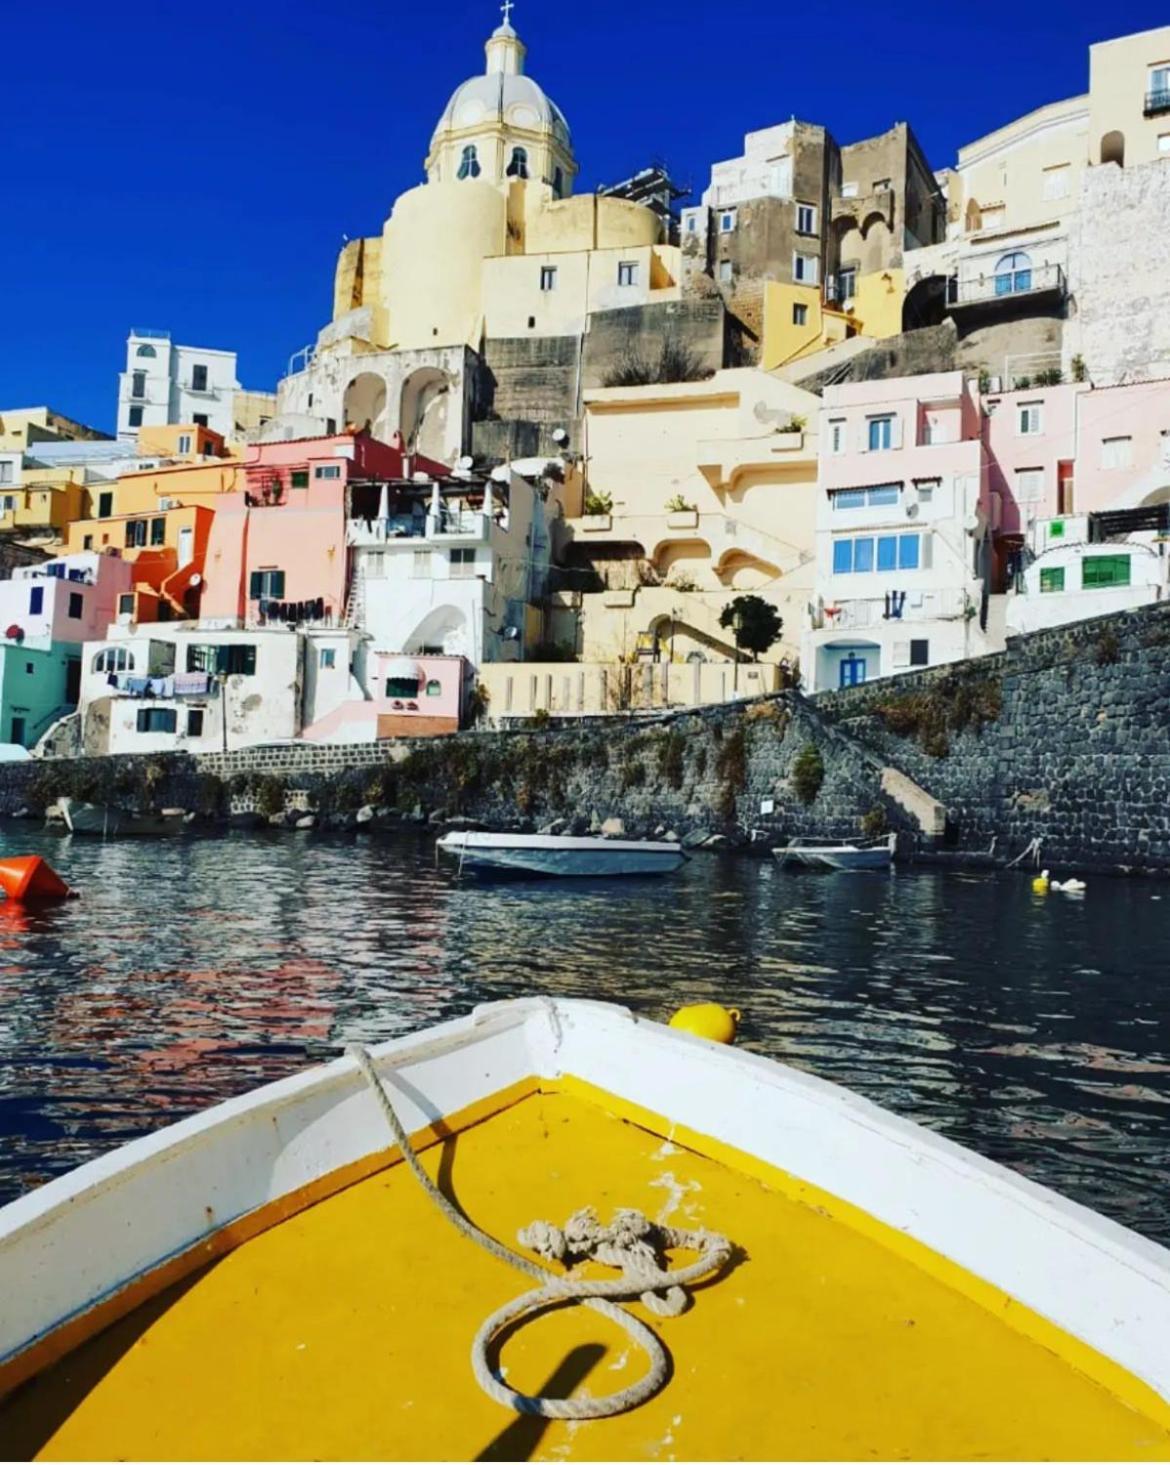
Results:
<point x="80" y="1240"/>
<point x="558" y="855"/>
<point x="839" y="856"/>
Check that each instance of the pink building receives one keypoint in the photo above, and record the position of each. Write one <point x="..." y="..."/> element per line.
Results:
<point x="409" y="696"/>
<point x="277" y="550"/>
<point x="1031" y="440"/>
<point x="71" y="599"/>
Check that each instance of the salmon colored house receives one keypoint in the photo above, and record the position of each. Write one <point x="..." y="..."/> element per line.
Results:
<point x="277" y="551"/>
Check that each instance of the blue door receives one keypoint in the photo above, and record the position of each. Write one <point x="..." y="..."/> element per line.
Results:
<point x="852" y="671"/>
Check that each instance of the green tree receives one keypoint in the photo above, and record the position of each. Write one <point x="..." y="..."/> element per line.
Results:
<point x="755" y="623"/>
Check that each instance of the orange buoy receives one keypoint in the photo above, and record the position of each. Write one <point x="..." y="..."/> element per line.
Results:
<point x="27" y="878"/>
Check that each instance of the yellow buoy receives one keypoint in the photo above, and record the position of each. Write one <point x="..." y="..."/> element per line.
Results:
<point x="708" y="1020"/>
<point x="1040" y="883"/>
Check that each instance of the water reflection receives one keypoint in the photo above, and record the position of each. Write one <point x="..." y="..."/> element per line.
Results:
<point x="1031" y="1028"/>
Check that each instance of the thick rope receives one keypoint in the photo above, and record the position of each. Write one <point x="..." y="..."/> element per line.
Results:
<point x="630" y="1242"/>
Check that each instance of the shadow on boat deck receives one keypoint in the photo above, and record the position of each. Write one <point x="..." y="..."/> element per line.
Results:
<point x="33" y="1413"/>
<point x="518" y="1440"/>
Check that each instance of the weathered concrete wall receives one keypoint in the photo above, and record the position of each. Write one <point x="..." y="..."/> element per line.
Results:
<point x="618" y="336"/>
<point x="1120" y="268"/>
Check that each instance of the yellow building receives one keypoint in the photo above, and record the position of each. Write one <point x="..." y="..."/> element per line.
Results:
<point x="693" y="493"/>
<point x="43" y="501"/>
<point x="797" y="322"/>
<point x="1129" y="99"/>
<point x="181" y="440"/>
<point x="22" y="426"/>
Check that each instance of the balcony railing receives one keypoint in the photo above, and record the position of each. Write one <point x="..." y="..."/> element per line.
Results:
<point x="1002" y="286"/>
<point x="1156" y="103"/>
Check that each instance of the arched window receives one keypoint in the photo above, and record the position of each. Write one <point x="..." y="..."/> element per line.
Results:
<point x="518" y="167"/>
<point x="1013" y="273"/>
<point x="146" y="351"/>
<point x="558" y="183"/>
<point x="434" y="688"/>
<point x="114" y="658"/>
<point x="469" y="164"/>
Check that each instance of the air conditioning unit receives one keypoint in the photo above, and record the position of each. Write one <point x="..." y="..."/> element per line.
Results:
<point x="912" y="511"/>
<point x="166" y="503"/>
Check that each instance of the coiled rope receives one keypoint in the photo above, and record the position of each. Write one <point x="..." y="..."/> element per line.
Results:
<point x="631" y="1242"/>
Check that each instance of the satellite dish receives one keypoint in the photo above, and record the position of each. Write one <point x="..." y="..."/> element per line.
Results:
<point x="510" y="633"/>
<point x="971" y="523"/>
<point x="196" y="580"/>
<point x="466" y="461"/>
<point x="560" y="435"/>
<point x="912" y="511"/>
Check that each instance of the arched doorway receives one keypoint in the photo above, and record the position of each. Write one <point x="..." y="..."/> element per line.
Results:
<point x="422" y="418"/>
<point x="364" y="405"/>
<point x="1113" y="148"/>
<point x="442" y="632"/>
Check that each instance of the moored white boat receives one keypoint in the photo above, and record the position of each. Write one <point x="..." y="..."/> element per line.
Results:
<point x="265" y="1280"/>
<point x="559" y="854"/>
<point x="876" y="854"/>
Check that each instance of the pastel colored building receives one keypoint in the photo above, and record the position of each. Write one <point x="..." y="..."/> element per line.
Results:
<point x="694" y="492"/>
<point x="450" y="565"/>
<point x="278" y="547"/>
<point x="166" y="551"/>
<point x="46" y="613"/>
<point x="904" y="569"/>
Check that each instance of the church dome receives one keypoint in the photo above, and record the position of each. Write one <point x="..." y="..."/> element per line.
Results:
<point x="507" y="104"/>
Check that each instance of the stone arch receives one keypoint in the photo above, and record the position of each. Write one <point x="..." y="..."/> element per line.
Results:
<point x="422" y="416"/>
<point x="925" y="303"/>
<point x="364" y="404"/>
<point x="442" y="631"/>
<point x="1113" y="148"/>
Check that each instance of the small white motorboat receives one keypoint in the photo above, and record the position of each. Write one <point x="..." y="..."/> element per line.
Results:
<point x="301" y="1272"/>
<point x="106" y="821"/>
<point x="874" y="854"/>
<point x="559" y="854"/>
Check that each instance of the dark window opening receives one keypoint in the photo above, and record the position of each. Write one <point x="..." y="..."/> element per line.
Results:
<point x="199" y="378"/>
<point x="402" y="687"/>
<point x="919" y="653"/>
<point x="76" y="605"/>
<point x="157" y="719"/>
<point x="195" y="722"/>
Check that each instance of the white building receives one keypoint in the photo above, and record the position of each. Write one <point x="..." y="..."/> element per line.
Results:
<point x="165" y="383"/>
<point x="450" y="568"/>
<point x="1073" y="579"/>
<point x="903" y="545"/>
<point x="196" y="689"/>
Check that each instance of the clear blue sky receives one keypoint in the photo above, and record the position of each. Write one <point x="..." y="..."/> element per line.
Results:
<point x="195" y="168"/>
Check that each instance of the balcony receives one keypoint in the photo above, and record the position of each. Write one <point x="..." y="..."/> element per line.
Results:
<point x="451" y="526"/>
<point x="204" y="389"/>
<point x="1157" y="103"/>
<point x="894" y="607"/>
<point x="1034" y="284"/>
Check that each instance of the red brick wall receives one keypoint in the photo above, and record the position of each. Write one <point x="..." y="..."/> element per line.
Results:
<point x="403" y="725"/>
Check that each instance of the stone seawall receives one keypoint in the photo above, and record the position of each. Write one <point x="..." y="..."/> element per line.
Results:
<point x="1064" y="738"/>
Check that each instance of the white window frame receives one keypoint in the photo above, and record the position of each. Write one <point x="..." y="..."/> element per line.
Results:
<point x="727" y="221"/>
<point x="1029" y="419"/>
<point x="327" y="470"/>
<point x="461" y="564"/>
<point x="627" y="273"/>
<point x="803" y="225"/>
<point x="548" y="278"/>
<point x="1029" y="485"/>
<point x="799" y="313"/>
<point x="1056" y="181"/>
<point x="806" y="268"/>
<point x="837" y="438"/>
<point x="421" y="567"/>
<point x="1117" y="452"/>
<point x="184" y="442"/>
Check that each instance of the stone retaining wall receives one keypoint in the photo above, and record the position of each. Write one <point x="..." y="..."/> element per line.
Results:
<point x="1064" y="738"/>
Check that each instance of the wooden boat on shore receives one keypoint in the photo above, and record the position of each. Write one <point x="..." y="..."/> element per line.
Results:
<point x="267" y="1280"/>
<point x="107" y="821"/>
<point x="558" y="854"/>
<point x="875" y="854"/>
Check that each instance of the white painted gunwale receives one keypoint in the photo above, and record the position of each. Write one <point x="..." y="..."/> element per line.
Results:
<point x="84" y="1236"/>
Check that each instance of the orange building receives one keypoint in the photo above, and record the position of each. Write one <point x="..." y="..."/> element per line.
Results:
<point x="167" y="549"/>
